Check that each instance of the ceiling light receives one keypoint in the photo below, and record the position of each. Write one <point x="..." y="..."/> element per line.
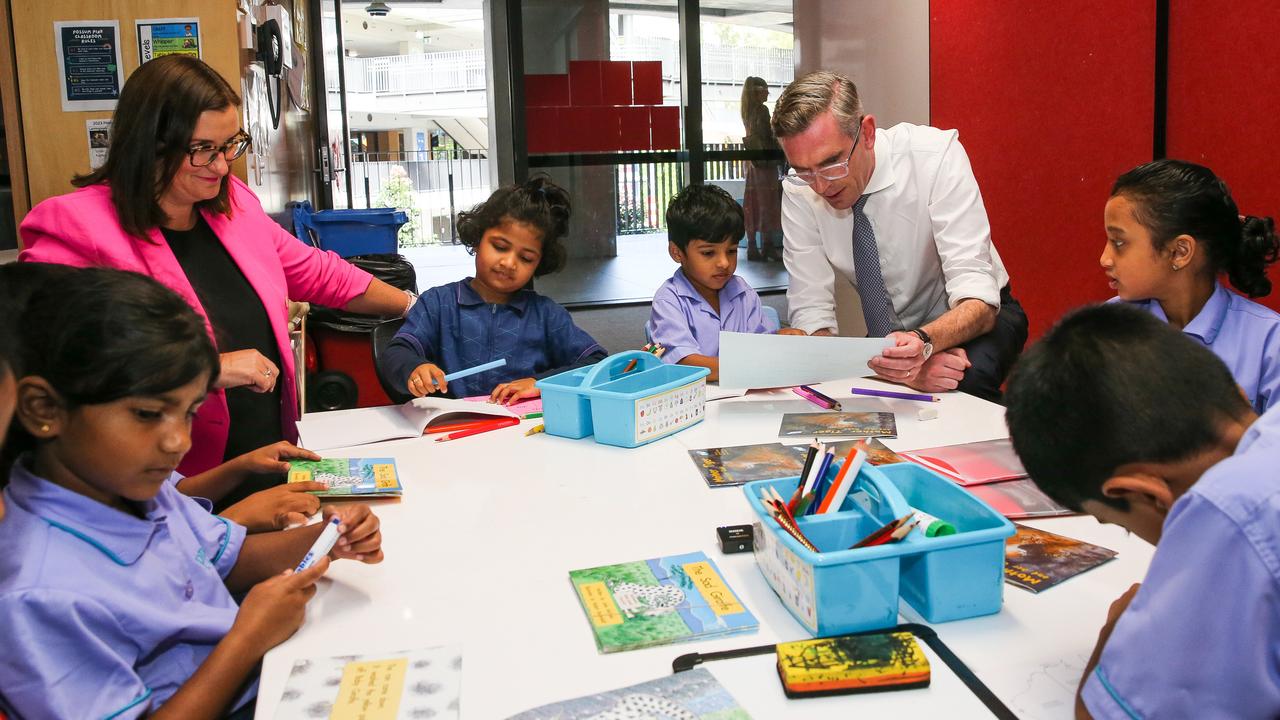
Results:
<point x="378" y="9"/>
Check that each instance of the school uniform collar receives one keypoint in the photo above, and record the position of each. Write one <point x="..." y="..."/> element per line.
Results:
<point x="468" y="297"/>
<point x="122" y="538"/>
<point x="1207" y="323"/>
<point x="882" y="175"/>
<point x="732" y="290"/>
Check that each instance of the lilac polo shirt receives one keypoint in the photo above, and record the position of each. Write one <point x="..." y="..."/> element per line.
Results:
<point x="1201" y="638"/>
<point x="1244" y="334"/>
<point x="106" y="614"/>
<point x="684" y="323"/>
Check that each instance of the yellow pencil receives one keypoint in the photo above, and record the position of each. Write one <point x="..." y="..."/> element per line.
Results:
<point x="540" y="427"/>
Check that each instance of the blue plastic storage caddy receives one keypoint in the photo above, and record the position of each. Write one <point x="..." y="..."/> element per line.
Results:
<point x="838" y="590"/>
<point x="349" y="232"/>
<point x="652" y="401"/>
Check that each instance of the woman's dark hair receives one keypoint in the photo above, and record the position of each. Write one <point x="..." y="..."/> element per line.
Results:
<point x="704" y="212"/>
<point x="1111" y="385"/>
<point x="537" y="202"/>
<point x="1174" y="197"/>
<point x="150" y="134"/>
<point x="110" y="334"/>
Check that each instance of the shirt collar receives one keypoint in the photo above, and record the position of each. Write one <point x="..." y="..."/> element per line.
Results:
<point x="882" y="175"/>
<point x="1208" y="322"/>
<point x="731" y="291"/>
<point x="467" y="296"/>
<point x="119" y="536"/>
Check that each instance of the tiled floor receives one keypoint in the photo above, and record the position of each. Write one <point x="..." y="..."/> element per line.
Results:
<point x="642" y="264"/>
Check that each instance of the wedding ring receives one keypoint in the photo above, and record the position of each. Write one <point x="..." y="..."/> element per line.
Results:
<point x="267" y="373"/>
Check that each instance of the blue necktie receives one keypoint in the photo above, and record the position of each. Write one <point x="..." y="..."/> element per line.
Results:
<point x="876" y="307"/>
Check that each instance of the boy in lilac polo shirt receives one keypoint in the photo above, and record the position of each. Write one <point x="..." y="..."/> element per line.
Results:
<point x="704" y="297"/>
<point x="1119" y="415"/>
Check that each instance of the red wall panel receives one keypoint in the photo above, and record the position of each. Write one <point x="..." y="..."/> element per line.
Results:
<point x="1053" y="101"/>
<point x="1224" y="98"/>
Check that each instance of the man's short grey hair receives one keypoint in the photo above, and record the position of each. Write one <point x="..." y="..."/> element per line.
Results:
<point x="809" y="96"/>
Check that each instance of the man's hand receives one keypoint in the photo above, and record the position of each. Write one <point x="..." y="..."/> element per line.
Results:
<point x="942" y="372"/>
<point x="792" y="331"/>
<point x="901" y="362"/>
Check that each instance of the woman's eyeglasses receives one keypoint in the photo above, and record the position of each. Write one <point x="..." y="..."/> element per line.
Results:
<point x="204" y="155"/>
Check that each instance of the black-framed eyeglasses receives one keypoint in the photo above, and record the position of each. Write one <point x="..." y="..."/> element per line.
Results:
<point x="834" y="171"/>
<point x="204" y="154"/>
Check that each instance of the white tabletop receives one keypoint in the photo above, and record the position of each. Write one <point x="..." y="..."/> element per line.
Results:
<point x="478" y="554"/>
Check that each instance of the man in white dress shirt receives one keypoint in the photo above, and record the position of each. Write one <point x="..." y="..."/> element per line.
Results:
<point x="898" y="213"/>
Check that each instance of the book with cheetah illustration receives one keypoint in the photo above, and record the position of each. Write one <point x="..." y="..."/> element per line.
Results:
<point x="659" y="601"/>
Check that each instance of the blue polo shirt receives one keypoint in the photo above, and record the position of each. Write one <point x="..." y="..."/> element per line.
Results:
<point x="1244" y="334"/>
<point x="683" y="322"/>
<point x="1201" y="638"/>
<point x="454" y="328"/>
<point x="107" y="614"/>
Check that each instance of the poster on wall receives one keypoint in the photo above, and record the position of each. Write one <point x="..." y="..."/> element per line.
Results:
<point x="99" y="132"/>
<point x="89" y="64"/>
<point x="168" y="36"/>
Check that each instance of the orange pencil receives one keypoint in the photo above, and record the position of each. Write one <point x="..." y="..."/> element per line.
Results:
<point x="832" y="491"/>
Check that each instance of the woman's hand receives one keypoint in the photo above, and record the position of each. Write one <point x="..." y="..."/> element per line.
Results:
<point x="247" y="368"/>
<point x="361" y="538"/>
<point x="426" y="379"/>
<point x="273" y="458"/>
<point x="791" y="331"/>
<point x="276" y="508"/>
<point x="514" y="391"/>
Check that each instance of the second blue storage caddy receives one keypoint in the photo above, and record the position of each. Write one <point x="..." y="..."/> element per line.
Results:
<point x="627" y="410"/>
<point x="839" y="590"/>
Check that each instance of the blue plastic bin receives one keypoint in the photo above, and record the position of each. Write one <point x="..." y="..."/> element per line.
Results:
<point x="627" y="410"/>
<point x="838" y="590"/>
<point x="349" y="232"/>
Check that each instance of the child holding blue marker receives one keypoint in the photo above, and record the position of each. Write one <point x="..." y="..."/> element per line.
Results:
<point x="515" y="235"/>
<point x="116" y="589"/>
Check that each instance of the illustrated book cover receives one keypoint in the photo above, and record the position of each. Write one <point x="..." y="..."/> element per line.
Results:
<point x="727" y="466"/>
<point x="366" y="477"/>
<point x="972" y="463"/>
<point x="1019" y="499"/>
<point x="838" y="424"/>
<point x="659" y="601"/>
<point x="852" y="664"/>
<point x="1037" y="560"/>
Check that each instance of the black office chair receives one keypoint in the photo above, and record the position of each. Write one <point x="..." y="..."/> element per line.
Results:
<point x="383" y="332"/>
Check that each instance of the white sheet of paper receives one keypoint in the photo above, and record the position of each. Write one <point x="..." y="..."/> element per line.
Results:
<point x="766" y="361"/>
<point x="361" y="426"/>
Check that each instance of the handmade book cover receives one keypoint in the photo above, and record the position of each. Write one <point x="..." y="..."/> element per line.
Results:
<point x="659" y="601"/>
<point x="852" y="664"/>
<point x="1038" y="560"/>
<point x="422" y="683"/>
<point x="838" y="424"/>
<point x="726" y="466"/>
<point x="877" y="452"/>
<point x="691" y="695"/>
<point x="367" y="477"/>
<point x="972" y="463"/>
<point x="1019" y="499"/>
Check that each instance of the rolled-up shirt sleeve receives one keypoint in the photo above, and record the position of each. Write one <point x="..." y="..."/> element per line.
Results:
<point x="962" y="231"/>
<point x="811" y="290"/>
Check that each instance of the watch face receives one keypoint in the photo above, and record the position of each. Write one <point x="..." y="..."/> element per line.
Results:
<point x="928" y="350"/>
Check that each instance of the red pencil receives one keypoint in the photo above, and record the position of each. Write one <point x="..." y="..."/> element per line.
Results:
<point x="503" y="422"/>
<point x="455" y="426"/>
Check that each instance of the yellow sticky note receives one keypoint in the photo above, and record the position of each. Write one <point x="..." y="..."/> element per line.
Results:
<point x="370" y="690"/>
<point x="713" y="588"/>
<point x="599" y="603"/>
<point x="384" y="475"/>
<point x="298" y="475"/>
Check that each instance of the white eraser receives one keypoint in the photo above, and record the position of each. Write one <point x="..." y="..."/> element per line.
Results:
<point x="927" y="413"/>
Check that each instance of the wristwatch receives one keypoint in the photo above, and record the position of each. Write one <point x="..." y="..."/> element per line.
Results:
<point x="924" y="337"/>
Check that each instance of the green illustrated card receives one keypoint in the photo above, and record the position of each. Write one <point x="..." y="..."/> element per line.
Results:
<point x="367" y="477"/>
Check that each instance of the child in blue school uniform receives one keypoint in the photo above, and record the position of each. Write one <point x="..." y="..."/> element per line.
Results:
<point x="115" y="589"/>
<point x="1172" y="231"/>
<point x="704" y="296"/>
<point x="515" y="235"/>
<point x="1117" y="414"/>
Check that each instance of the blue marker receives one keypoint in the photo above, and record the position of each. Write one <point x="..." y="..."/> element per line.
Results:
<point x="323" y="544"/>
<point x="474" y="370"/>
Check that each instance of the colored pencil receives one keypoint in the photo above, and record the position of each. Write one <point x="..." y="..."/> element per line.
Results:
<point x="828" y="457"/>
<point x="508" y="422"/>
<point x="835" y="404"/>
<point x="896" y="395"/>
<point x="824" y="404"/>
<point x="881" y="532"/>
<point x="450" y="377"/>
<point x="467" y="425"/>
<point x="531" y="416"/>
<point x="808" y="464"/>
<point x="536" y="429"/>
<point x="831" y="497"/>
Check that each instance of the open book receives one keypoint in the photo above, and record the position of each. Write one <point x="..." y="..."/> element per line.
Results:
<point x="361" y="426"/>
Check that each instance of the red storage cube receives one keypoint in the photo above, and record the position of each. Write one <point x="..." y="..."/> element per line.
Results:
<point x="585" y="78"/>
<point x="592" y="129"/>
<point x="664" y="127"/>
<point x="646" y="82"/>
<point x="543" y="129"/>
<point x="546" y="90"/>
<point x="634" y="126"/>
<point x="616" y="83"/>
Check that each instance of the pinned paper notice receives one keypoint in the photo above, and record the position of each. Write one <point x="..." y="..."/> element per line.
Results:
<point x="768" y="361"/>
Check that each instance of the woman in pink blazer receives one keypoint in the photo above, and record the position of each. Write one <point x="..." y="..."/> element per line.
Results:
<point x="165" y="205"/>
